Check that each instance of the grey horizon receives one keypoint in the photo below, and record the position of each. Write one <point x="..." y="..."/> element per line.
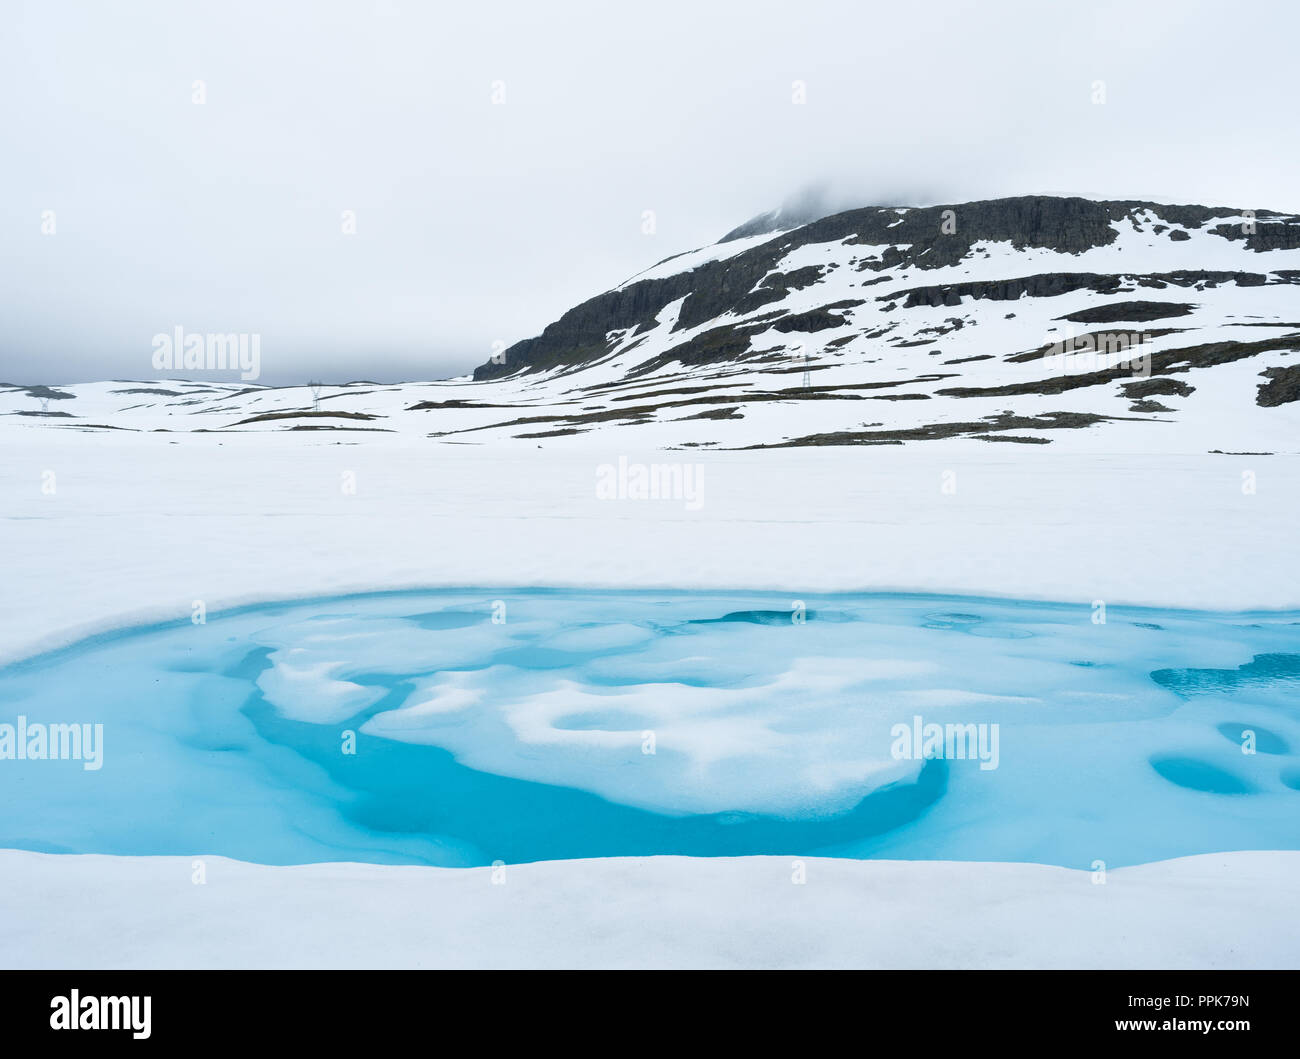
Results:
<point x="480" y="223"/>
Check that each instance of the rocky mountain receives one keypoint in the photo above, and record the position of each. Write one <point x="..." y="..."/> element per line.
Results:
<point x="1128" y="307"/>
<point x="1038" y="320"/>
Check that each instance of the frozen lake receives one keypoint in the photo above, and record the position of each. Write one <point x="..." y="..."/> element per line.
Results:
<point x="468" y="726"/>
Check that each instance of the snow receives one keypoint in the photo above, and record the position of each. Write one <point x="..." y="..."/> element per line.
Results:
<point x="141" y="526"/>
<point x="148" y="517"/>
<point x="693" y="259"/>
<point x="1208" y="912"/>
<point x="918" y="352"/>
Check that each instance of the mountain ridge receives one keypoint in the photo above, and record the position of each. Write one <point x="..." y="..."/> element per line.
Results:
<point x="1118" y="325"/>
<point x="1068" y="225"/>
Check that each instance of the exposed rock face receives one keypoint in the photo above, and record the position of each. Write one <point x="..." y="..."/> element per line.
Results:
<point x="1283" y="387"/>
<point x="1128" y="312"/>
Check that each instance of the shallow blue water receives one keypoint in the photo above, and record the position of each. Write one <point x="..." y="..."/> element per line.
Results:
<point x="413" y="728"/>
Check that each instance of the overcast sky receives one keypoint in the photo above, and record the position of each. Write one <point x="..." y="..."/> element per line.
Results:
<point x="479" y="222"/>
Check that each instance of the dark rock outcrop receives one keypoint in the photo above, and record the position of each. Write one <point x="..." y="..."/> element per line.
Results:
<point x="1283" y="386"/>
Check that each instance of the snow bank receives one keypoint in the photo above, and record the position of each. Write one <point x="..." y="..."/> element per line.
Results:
<point x="1220" y="911"/>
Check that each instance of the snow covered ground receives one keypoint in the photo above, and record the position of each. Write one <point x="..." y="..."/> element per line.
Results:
<point x="138" y="527"/>
<point x="1220" y="911"/>
<point x="107" y="530"/>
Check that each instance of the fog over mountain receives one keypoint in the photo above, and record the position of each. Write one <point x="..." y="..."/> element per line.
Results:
<point x="393" y="191"/>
